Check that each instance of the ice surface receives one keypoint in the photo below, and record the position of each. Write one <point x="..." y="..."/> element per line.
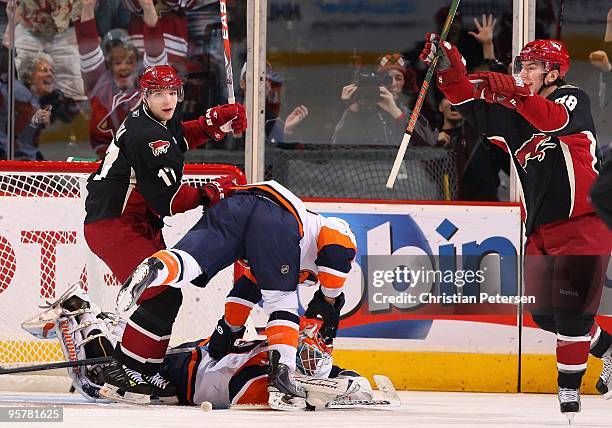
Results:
<point x="419" y="409"/>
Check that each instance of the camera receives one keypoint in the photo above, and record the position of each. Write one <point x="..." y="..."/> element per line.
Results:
<point x="368" y="86"/>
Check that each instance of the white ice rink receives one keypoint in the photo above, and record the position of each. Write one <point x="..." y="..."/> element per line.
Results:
<point x="419" y="409"/>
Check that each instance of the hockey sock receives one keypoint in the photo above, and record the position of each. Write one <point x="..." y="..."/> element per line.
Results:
<point x="178" y="269"/>
<point x="242" y="297"/>
<point x="601" y="341"/>
<point x="282" y="332"/>
<point x="572" y="356"/>
<point x="147" y="333"/>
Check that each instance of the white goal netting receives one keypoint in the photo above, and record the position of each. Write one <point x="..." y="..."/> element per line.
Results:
<point x="43" y="252"/>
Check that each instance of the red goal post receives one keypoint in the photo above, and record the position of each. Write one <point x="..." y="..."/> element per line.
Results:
<point x="43" y="252"/>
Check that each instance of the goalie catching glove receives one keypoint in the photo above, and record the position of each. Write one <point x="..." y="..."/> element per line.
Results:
<point x="330" y="313"/>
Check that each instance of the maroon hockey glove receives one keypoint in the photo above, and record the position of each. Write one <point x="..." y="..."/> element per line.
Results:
<point x="451" y="65"/>
<point x="218" y="121"/>
<point x="239" y="124"/>
<point x="500" y="88"/>
<point x="216" y="190"/>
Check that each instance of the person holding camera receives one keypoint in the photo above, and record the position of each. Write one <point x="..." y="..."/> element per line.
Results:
<point x="377" y="109"/>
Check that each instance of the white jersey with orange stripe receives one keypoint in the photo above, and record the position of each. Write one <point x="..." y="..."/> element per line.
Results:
<point x="237" y="378"/>
<point x="328" y="258"/>
<point x="213" y="377"/>
<point x="328" y="246"/>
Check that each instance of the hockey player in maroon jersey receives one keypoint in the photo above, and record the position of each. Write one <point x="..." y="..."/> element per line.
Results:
<point x="139" y="181"/>
<point x="546" y="126"/>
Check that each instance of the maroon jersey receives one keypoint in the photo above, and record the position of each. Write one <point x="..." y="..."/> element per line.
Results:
<point x="552" y="143"/>
<point x="143" y="167"/>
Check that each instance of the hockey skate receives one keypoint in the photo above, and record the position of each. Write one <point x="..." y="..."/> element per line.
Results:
<point x="162" y="392"/>
<point x="136" y="284"/>
<point x="282" y="390"/>
<point x="569" y="402"/>
<point x="124" y="384"/>
<point x="604" y="383"/>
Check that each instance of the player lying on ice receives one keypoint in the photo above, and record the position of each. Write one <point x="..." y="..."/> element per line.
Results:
<point x="240" y="377"/>
<point x="270" y="227"/>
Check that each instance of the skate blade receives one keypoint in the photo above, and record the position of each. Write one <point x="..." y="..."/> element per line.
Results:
<point x="570" y="417"/>
<point x="114" y="393"/>
<point x="164" y="401"/>
<point x="128" y="295"/>
<point x="125" y="300"/>
<point x="607" y="395"/>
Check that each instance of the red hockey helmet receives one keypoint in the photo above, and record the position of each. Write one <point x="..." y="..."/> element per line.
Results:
<point x="161" y="77"/>
<point x="552" y="53"/>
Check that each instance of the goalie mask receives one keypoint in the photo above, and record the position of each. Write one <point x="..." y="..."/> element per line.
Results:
<point x="313" y="355"/>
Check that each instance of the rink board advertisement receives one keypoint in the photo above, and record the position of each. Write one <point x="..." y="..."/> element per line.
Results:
<point x="429" y="345"/>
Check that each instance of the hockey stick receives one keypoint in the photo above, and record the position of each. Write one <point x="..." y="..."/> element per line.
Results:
<point x="58" y="365"/>
<point x="390" y="399"/>
<point x="420" y="99"/>
<point x="229" y="76"/>
<point x="76" y="363"/>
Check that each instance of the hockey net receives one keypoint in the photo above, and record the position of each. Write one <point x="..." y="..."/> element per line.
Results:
<point x="43" y="252"/>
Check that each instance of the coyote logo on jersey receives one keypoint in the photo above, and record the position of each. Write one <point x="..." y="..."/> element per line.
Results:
<point x="534" y="149"/>
<point x="159" y="147"/>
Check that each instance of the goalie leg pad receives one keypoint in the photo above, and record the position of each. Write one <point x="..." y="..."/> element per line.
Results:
<point x="84" y="332"/>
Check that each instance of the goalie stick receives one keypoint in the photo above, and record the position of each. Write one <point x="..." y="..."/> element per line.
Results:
<point x="420" y="99"/>
<point x="75" y="363"/>
<point x="385" y="386"/>
<point x="390" y="399"/>
<point x="57" y="365"/>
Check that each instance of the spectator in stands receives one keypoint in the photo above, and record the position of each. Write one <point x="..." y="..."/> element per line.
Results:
<point x="477" y="164"/>
<point x="170" y="23"/>
<point x="377" y="112"/>
<point x="47" y="27"/>
<point x="110" y="72"/>
<point x="600" y="101"/>
<point x="37" y="104"/>
<point x="111" y="14"/>
<point x="276" y="129"/>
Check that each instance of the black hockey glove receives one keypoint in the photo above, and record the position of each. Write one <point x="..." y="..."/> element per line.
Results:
<point x="222" y="340"/>
<point x="328" y="312"/>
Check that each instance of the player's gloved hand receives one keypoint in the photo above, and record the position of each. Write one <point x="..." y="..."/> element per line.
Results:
<point x="330" y="313"/>
<point x="451" y="65"/>
<point x="218" y="121"/>
<point x="222" y="340"/>
<point x="499" y="88"/>
<point x="239" y="124"/>
<point x="216" y="190"/>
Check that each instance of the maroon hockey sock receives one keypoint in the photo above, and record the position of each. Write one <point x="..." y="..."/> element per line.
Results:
<point x="572" y="356"/>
